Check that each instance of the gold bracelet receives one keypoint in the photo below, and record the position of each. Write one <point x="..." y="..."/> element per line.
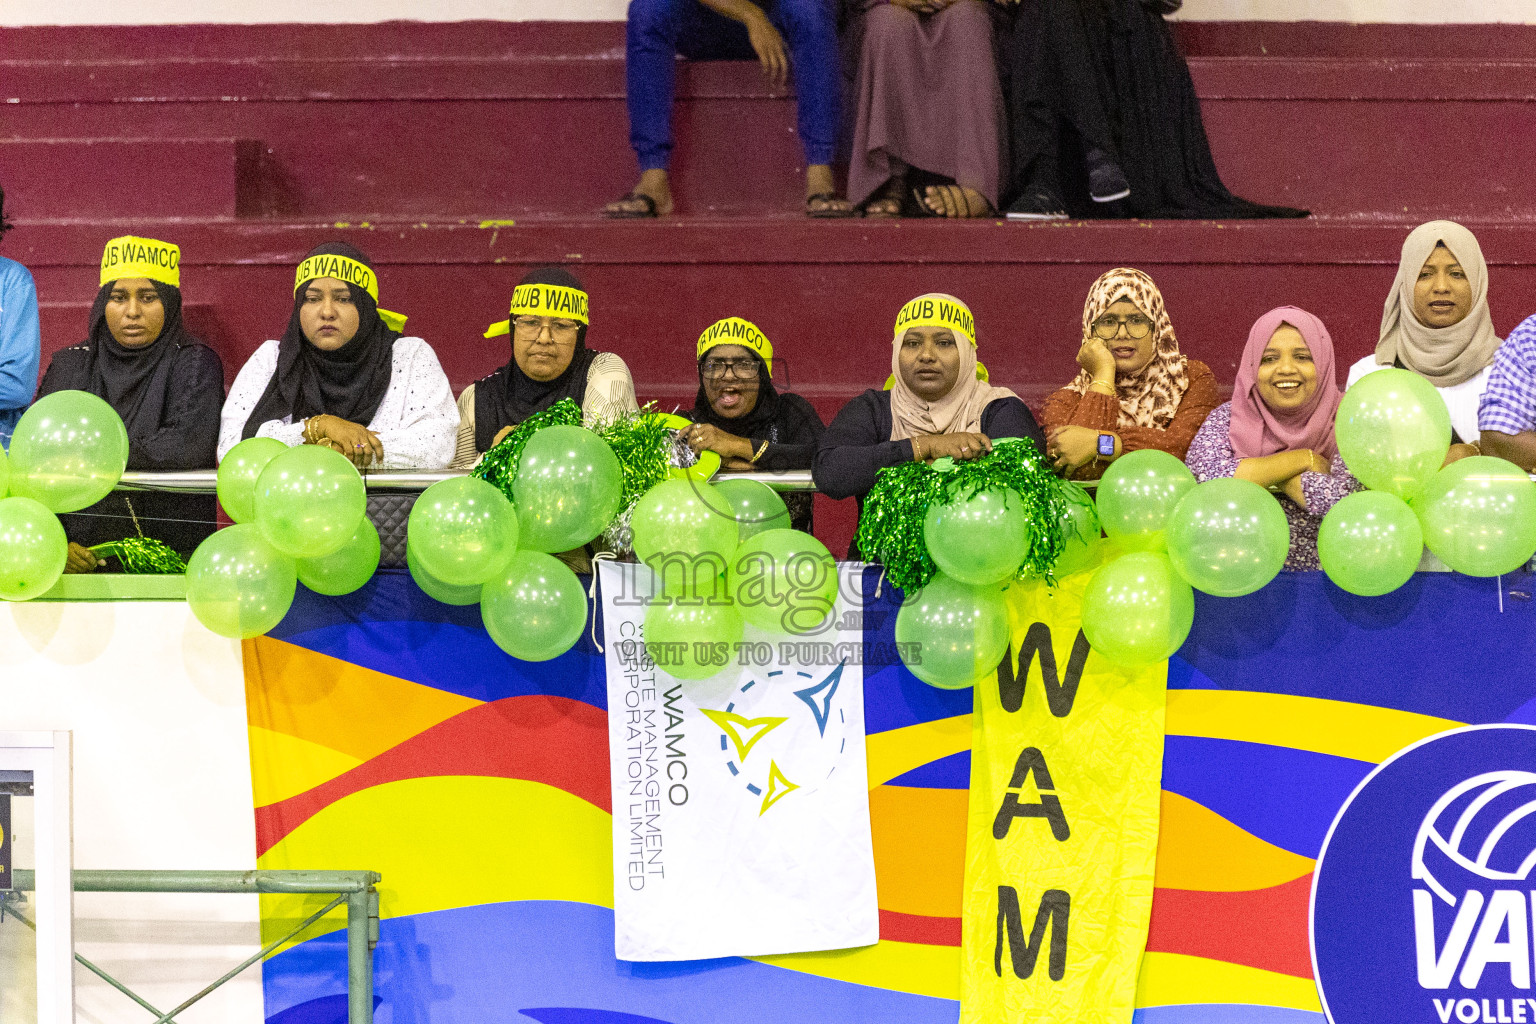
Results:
<point x="917" y="455"/>
<point x="1100" y="388"/>
<point x="759" y="452"/>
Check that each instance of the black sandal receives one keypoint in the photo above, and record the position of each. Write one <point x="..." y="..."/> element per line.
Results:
<point x="827" y="212"/>
<point x="648" y="213"/>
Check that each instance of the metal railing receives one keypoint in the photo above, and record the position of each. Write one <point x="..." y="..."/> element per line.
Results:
<point x="356" y="889"/>
<point x="205" y="481"/>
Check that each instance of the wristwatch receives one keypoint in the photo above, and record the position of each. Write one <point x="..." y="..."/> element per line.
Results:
<point x="1106" y="445"/>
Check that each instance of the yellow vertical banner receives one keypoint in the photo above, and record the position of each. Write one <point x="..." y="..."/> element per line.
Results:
<point x="1066" y="768"/>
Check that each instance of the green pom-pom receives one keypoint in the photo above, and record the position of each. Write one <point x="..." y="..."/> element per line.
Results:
<point x="891" y="525"/>
<point x="142" y="555"/>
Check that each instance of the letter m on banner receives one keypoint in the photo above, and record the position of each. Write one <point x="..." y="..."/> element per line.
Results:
<point x="1066" y="771"/>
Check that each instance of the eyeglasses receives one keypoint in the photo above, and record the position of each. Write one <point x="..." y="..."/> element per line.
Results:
<point x="741" y="369"/>
<point x="533" y="326"/>
<point x="1108" y="327"/>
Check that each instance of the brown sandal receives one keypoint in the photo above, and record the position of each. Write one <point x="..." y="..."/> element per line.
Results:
<point x="958" y="199"/>
<point x="648" y="213"/>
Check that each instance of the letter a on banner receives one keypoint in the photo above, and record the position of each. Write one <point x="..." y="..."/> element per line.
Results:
<point x="1066" y="772"/>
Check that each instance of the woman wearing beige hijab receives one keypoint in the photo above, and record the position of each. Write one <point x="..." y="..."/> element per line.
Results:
<point x="937" y="403"/>
<point x="1436" y="323"/>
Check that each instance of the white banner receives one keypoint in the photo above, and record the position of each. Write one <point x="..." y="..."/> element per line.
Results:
<point x="740" y="802"/>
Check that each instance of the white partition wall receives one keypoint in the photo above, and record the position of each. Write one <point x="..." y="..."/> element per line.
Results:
<point x="46" y="756"/>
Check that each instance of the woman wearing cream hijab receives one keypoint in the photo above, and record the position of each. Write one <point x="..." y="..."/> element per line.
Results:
<point x="1436" y="323"/>
<point x="937" y="403"/>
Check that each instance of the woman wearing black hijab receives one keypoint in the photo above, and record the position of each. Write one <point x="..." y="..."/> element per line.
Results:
<point x="165" y="384"/>
<point x="344" y="376"/>
<point x="740" y="416"/>
<point x="550" y="361"/>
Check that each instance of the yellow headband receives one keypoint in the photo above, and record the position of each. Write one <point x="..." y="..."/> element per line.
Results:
<point x="130" y="256"/>
<point x="348" y="271"/>
<point x="733" y="330"/>
<point x="542" y="300"/>
<point x="937" y="311"/>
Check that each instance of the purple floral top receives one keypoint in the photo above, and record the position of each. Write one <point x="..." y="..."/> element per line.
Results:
<point x="1211" y="456"/>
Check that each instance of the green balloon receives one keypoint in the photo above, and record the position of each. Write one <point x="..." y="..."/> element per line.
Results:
<point x="238" y="471"/>
<point x="348" y="567"/>
<point x="535" y="608"/>
<point x="949" y="634"/>
<point x="1228" y="537"/>
<point x="463" y="531"/>
<point x="692" y="641"/>
<point x="436" y="588"/>
<point x="1370" y="543"/>
<point x="239" y="585"/>
<point x="756" y="506"/>
<point x="784" y="581"/>
<point x="1137" y="494"/>
<point x="567" y="488"/>
<point x="1081" y="534"/>
<point x="682" y="519"/>
<point x="309" y="500"/>
<point x="1393" y="431"/>
<point x="1479" y="515"/>
<point x="33" y="549"/>
<point x="980" y="539"/>
<point x="69" y="450"/>
<point x="1137" y="610"/>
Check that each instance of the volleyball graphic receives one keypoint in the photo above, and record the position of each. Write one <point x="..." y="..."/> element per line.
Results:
<point x="1484" y="827"/>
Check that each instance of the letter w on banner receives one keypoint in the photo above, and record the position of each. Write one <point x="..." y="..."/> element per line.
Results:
<point x="1066" y="769"/>
<point x="740" y="802"/>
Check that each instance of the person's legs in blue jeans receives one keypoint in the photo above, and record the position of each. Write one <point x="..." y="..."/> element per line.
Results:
<point x="657" y="30"/>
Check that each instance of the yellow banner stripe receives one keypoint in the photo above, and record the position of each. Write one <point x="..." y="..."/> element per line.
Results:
<point x="530" y="842"/>
<point x="898" y="751"/>
<point x="1174" y="979"/>
<point x="1359" y="731"/>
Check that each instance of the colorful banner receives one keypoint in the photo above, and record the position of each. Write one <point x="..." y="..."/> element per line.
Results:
<point x="390" y="733"/>
<point x="1066" y="758"/>
<point x="741" y="814"/>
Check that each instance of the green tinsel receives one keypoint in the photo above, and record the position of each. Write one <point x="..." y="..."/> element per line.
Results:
<point x="891" y="525"/>
<point x="142" y="555"/>
<point x="499" y="465"/>
<point x="642" y="443"/>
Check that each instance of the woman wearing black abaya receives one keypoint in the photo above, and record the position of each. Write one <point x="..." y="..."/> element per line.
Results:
<point x="165" y="384"/>
<point x="550" y="361"/>
<point x="740" y="416"/>
<point x="1104" y="119"/>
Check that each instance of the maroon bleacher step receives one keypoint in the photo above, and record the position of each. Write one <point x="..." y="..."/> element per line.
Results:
<point x="126" y="178"/>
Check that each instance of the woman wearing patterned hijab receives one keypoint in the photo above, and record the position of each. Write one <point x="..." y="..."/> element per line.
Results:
<point x="1135" y="390"/>
<point x="1436" y="323"/>
<point x="938" y="403"/>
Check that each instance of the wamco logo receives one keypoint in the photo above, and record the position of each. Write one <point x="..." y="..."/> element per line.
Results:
<point x="1424" y="898"/>
<point x="1475" y="854"/>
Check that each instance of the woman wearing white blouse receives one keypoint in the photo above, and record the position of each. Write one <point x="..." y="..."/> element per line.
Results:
<point x="343" y="376"/>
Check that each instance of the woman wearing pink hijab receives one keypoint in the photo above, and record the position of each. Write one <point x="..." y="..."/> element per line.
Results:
<point x="1278" y="429"/>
